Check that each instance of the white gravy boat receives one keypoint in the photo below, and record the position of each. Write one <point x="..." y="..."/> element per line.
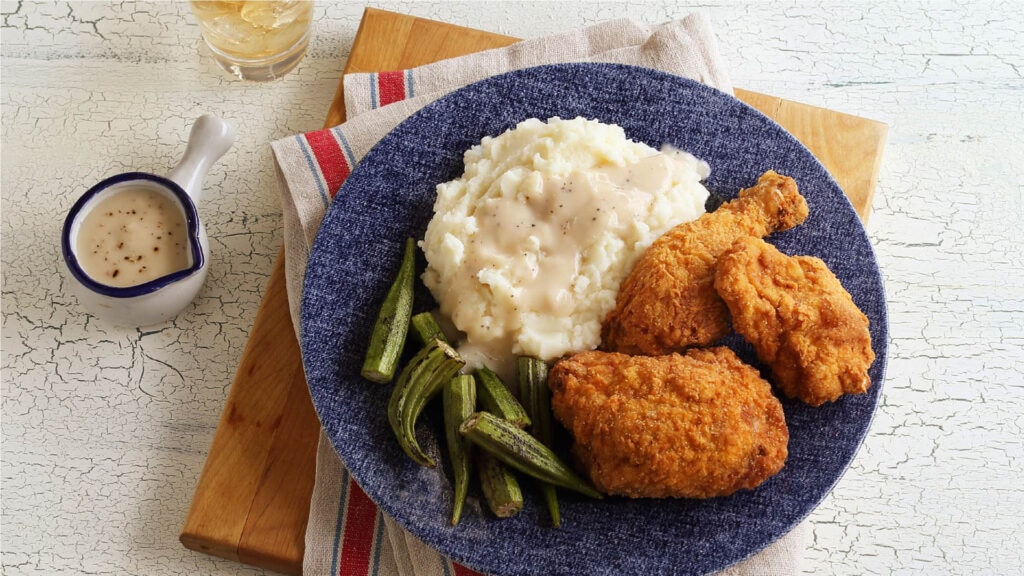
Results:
<point x="162" y="298"/>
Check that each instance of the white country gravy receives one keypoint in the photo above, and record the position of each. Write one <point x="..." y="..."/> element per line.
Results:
<point x="131" y="237"/>
<point x="527" y="250"/>
<point x="559" y="221"/>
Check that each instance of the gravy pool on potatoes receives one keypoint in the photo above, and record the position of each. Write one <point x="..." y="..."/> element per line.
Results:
<point x="131" y="237"/>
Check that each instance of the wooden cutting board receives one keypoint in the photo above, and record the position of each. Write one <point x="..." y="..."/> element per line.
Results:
<point x="252" y="500"/>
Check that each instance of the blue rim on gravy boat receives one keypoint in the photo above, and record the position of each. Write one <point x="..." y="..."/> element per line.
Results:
<point x="191" y="222"/>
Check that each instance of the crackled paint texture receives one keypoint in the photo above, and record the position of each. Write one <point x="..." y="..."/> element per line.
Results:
<point x="105" y="429"/>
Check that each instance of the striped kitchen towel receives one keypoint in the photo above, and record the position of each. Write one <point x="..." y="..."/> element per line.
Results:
<point x="347" y="534"/>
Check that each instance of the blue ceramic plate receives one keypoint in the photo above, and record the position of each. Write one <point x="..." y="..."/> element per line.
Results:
<point x="389" y="197"/>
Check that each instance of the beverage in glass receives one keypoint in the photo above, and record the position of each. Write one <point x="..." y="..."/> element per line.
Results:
<point x="255" y="40"/>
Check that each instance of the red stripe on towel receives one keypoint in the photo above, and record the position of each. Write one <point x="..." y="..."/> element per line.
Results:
<point x="391" y="86"/>
<point x="360" y="527"/>
<point x="330" y="158"/>
<point x="461" y="570"/>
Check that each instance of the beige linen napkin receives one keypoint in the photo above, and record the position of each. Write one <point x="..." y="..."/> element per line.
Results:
<point x="346" y="533"/>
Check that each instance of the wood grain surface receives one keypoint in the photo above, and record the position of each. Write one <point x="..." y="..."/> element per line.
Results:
<point x="252" y="500"/>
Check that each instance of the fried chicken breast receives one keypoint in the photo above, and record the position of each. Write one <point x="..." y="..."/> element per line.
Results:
<point x="668" y="301"/>
<point x="800" y="319"/>
<point x="694" y="426"/>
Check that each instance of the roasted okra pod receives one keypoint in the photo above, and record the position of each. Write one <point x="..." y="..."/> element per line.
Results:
<point x="388" y="337"/>
<point x="496" y="398"/>
<point x="418" y="382"/>
<point x="499" y="486"/>
<point x="532" y="375"/>
<point x="459" y="399"/>
<point x="518" y="449"/>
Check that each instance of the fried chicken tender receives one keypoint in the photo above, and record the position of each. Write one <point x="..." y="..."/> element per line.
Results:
<point x="698" y="425"/>
<point x="800" y="319"/>
<point x="668" y="301"/>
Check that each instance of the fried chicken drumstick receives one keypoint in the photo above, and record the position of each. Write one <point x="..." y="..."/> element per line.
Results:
<point x="694" y="426"/>
<point x="668" y="301"/>
<point x="800" y="319"/>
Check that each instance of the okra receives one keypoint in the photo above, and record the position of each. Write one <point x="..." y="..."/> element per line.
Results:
<point x="495" y="398"/>
<point x="532" y="375"/>
<point x="388" y="337"/>
<point x="419" y="381"/>
<point x="420" y="366"/>
<point x="518" y="449"/>
<point x="423" y="393"/>
<point x="459" y="399"/>
<point x="426" y="328"/>
<point x="499" y="486"/>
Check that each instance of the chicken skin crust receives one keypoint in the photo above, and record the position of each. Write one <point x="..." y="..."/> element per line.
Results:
<point x="698" y="425"/>
<point x="800" y="319"/>
<point x="668" y="301"/>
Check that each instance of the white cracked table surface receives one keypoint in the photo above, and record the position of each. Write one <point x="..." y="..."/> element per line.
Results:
<point x="105" y="430"/>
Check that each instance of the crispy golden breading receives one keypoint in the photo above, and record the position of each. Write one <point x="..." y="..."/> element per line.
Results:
<point x="800" y="319"/>
<point x="694" y="426"/>
<point x="668" y="301"/>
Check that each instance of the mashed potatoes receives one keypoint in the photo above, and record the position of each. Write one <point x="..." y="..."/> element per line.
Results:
<point x="527" y="249"/>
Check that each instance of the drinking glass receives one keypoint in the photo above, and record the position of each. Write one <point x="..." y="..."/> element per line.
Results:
<point x="255" y="40"/>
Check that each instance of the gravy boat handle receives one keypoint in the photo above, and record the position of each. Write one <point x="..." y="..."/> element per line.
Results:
<point x="209" y="139"/>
